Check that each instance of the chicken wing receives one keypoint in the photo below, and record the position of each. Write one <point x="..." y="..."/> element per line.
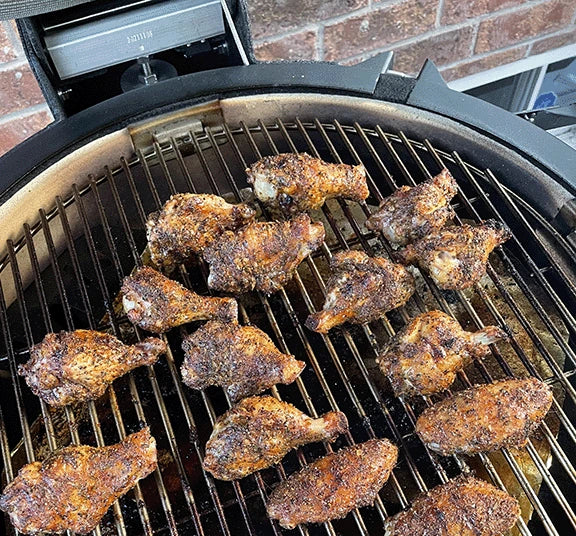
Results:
<point x="456" y="257"/>
<point x="299" y="182"/>
<point x="188" y="223"/>
<point x="261" y="255"/>
<point x="73" y="488"/>
<point x="412" y="213"/>
<point x="424" y="357"/>
<point x="464" y="506"/>
<point x="361" y="289"/>
<point x="157" y="304"/>
<point x="485" y="417"/>
<point x="333" y="486"/>
<point x="259" y="431"/>
<point x="69" y="367"/>
<point x="242" y="359"/>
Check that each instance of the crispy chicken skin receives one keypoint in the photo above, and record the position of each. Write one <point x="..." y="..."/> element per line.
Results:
<point x="259" y="431"/>
<point x="464" y="506"/>
<point x="361" y="289"/>
<point x="157" y="304"/>
<point x="456" y="257"/>
<point x="333" y="486"/>
<point x="69" y="367"/>
<point x="412" y="213"/>
<point x="261" y="255"/>
<point x="424" y="357"/>
<point x="187" y="223"/>
<point x="485" y="417"/>
<point x="73" y="488"/>
<point x="242" y="359"/>
<point x="299" y="182"/>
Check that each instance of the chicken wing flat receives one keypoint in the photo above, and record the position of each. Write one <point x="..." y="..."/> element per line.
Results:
<point x="188" y="223"/>
<point x="424" y="357"/>
<point x="485" y="417"/>
<point x="69" y="367"/>
<point x="261" y="255"/>
<point x="259" y="431"/>
<point x="361" y="289"/>
<point x="299" y="182"/>
<point x="242" y="359"/>
<point x="464" y="506"/>
<point x="456" y="257"/>
<point x="333" y="486"/>
<point x="412" y="213"/>
<point x="157" y="304"/>
<point x="73" y="488"/>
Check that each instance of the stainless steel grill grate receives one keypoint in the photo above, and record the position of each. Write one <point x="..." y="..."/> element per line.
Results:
<point x="66" y="271"/>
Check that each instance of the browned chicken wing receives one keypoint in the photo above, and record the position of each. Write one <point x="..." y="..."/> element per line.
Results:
<point x="424" y="357"/>
<point x="485" y="417"/>
<point x="73" y="488"/>
<point x="259" y="431"/>
<point x="412" y="213"/>
<point x="157" y="304"/>
<point x="299" y="182"/>
<point x="456" y="257"/>
<point x="464" y="506"/>
<point x="261" y="255"/>
<point x="69" y="367"/>
<point x="242" y="359"/>
<point x="361" y="289"/>
<point x="188" y="223"/>
<point x="333" y="486"/>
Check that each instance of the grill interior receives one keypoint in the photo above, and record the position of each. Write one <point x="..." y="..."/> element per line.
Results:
<point x="66" y="271"/>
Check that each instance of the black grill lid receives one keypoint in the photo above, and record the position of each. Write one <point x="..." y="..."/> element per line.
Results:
<point x="17" y="9"/>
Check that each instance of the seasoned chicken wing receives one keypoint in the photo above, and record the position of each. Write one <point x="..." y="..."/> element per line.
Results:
<point x="73" y="488"/>
<point x="464" y="506"/>
<point x="456" y="257"/>
<point x="411" y="213"/>
<point x="242" y="359"/>
<point x="188" y="223"/>
<point x="361" y="289"/>
<point x="259" y="431"/>
<point x="69" y="367"/>
<point x="157" y="304"/>
<point x="485" y="417"/>
<point x="299" y="182"/>
<point x="261" y="255"/>
<point x="333" y="486"/>
<point x="424" y="357"/>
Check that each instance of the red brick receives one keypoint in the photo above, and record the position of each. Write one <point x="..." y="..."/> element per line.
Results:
<point x="458" y="10"/>
<point x="300" y="46"/>
<point x="524" y="24"/>
<point x="379" y="28"/>
<point x="17" y="130"/>
<point x="556" y="41"/>
<point x="18" y="90"/>
<point x="7" y="52"/>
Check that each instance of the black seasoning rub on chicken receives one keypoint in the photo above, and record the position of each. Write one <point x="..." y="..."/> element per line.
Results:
<point x="464" y="506"/>
<point x="299" y="182"/>
<point x="424" y="357"/>
<point x="259" y="431"/>
<point x="74" y="487"/>
<point x="485" y="417"/>
<point x="333" y="486"/>
<point x="242" y="359"/>
<point x="157" y="304"/>
<point x="411" y="213"/>
<point x="69" y="367"/>
<point x="361" y="289"/>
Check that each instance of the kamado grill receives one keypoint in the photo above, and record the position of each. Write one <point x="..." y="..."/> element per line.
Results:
<point x="75" y="202"/>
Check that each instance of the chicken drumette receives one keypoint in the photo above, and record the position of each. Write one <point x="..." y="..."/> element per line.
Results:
<point x="73" y="488"/>
<point x="456" y="257"/>
<point x="411" y="213"/>
<point x="69" y="367"/>
<point x="299" y="182"/>
<point x="361" y="289"/>
<point x="424" y="357"/>
<point x="259" y="431"/>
